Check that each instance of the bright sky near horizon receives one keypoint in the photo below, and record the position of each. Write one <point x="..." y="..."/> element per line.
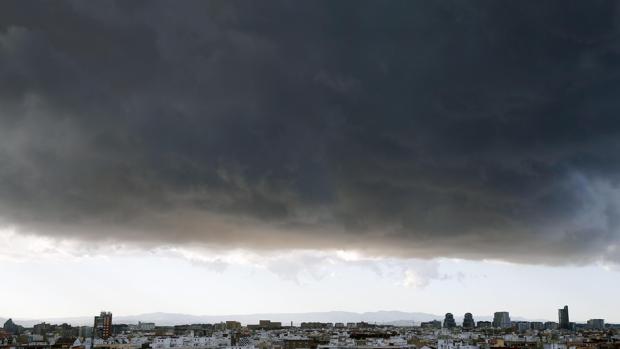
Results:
<point x="45" y="279"/>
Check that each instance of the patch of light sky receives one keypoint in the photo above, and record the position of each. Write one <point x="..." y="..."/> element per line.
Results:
<point x="53" y="278"/>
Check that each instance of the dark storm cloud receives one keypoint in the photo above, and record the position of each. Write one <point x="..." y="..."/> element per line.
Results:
<point x="472" y="129"/>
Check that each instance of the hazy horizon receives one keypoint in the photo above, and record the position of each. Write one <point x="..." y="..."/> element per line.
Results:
<point x="378" y="316"/>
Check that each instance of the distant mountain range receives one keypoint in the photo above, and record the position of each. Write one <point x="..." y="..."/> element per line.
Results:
<point x="166" y="319"/>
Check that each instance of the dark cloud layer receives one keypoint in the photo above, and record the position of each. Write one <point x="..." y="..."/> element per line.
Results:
<point x="479" y="129"/>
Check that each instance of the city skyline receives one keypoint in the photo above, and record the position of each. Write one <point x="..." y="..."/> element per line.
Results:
<point x="103" y="322"/>
<point x="499" y="319"/>
<point x="105" y="333"/>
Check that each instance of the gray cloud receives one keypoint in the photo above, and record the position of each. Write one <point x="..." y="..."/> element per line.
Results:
<point x="413" y="129"/>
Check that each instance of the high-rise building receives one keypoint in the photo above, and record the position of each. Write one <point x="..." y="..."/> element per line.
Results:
<point x="448" y="321"/>
<point x="103" y="325"/>
<point x="596" y="324"/>
<point x="468" y="321"/>
<point x="501" y="319"/>
<point x="11" y="327"/>
<point x="564" y="322"/>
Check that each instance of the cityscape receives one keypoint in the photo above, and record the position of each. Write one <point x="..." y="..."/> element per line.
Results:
<point x="501" y="332"/>
<point x="309" y="174"/>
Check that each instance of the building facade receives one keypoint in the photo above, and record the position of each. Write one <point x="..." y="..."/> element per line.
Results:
<point x="564" y="322"/>
<point x="596" y="324"/>
<point x="501" y="319"/>
<point x="468" y="321"/>
<point x="103" y="325"/>
<point x="448" y="321"/>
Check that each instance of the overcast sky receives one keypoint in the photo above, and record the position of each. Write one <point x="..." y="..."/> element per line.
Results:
<point x="419" y="146"/>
